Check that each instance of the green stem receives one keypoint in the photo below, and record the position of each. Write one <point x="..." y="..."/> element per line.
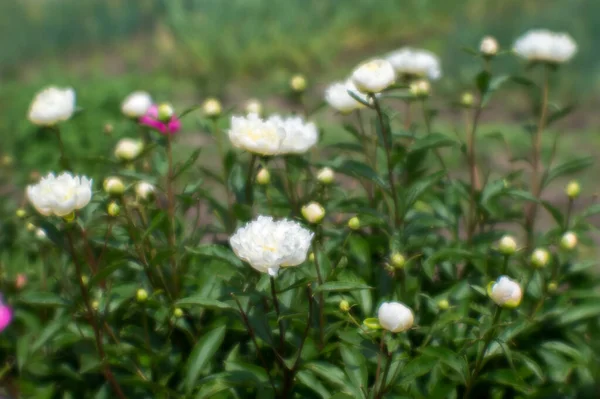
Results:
<point x="249" y="178"/>
<point x="315" y="247"/>
<point x="279" y="319"/>
<point x="219" y="140"/>
<point x="171" y="212"/>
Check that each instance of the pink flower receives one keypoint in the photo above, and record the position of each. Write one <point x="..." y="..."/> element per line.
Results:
<point x="6" y="316"/>
<point x="151" y="119"/>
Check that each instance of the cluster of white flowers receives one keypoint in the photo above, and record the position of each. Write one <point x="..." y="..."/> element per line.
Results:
<point x="273" y="136"/>
<point x="415" y="63"/>
<point x="268" y="244"/>
<point x="60" y="195"/>
<point x="51" y="106"/>
<point x="545" y="46"/>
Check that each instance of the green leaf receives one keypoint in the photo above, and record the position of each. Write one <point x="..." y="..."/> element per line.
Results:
<point x="41" y="298"/>
<point x="203" y="351"/>
<point x="355" y="366"/>
<point x="450" y="359"/>
<point x="580" y="312"/>
<point x="203" y="302"/>
<point x="214" y="251"/>
<point x="328" y="372"/>
<point x="333" y="286"/>
<point x="567" y="168"/>
<point x="420" y="187"/>
<point x="433" y="140"/>
<point x="358" y="169"/>
<point x="309" y="380"/>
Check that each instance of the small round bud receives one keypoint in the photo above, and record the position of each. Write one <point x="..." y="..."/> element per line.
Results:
<point x="144" y="191"/>
<point x="30" y="227"/>
<point x="113" y="209"/>
<point x="165" y="112"/>
<point x="114" y="186"/>
<point x="7" y="160"/>
<point x="573" y="189"/>
<point x="21" y="213"/>
<point x="505" y="292"/>
<point x="70" y="217"/>
<point x="443" y="304"/>
<point x="40" y="234"/>
<point x="263" y="177"/>
<point x="85" y="279"/>
<point x="325" y="175"/>
<point x="313" y="212"/>
<point x="34" y="175"/>
<point x="552" y="286"/>
<point x="95" y="304"/>
<point x="488" y="46"/>
<point x="507" y="245"/>
<point x="568" y="241"/>
<point x="311" y="257"/>
<point x="398" y="260"/>
<point x="141" y="295"/>
<point x="354" y="223"/>
<point x="253" y="106"/>
<point x="108" y="128"/>
<point x="128" y="149"/>
<point x="20" y="281"/>
<point x="212" y="108"/>
<point x="178" y="313"/>
<point x="298" y="83"/>
<point x="467" y="99"/>
<point x="540" y="257"/>
<point x="420" y="88"/>
<point x="344" y="305"/>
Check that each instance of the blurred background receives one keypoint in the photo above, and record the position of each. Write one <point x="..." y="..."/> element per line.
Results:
<point x="184" y="51"/>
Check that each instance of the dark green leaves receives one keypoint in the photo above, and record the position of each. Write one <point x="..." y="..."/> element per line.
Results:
<point x="202" y="353"/>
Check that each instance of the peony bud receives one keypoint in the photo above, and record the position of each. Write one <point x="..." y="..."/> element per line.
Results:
<point x="7" y="160"/>
<point x="507" y="245"/>
<point x="136" y="104"/>
<point x="344" y="305"/>
<point x="313" y="212"/>
<point x="165" y="112"/>
<point x="20" y="281"/>
<point x="141" y="295"/>
<point x="95" y="304"/>
<point x="420" y="88"/>
<point x="505" y="292"/>
<point x="568" y="241"/>
<point x="114" y="186"/>
<point x="540" y="257"/>
<point x="113" y="209"/>
<point x="298" y="83"/>
<point x="443" y="304"/>
<point x="40" y="234"/>
<point x="144" y="191"/>
<point x="325" y="175"/>
<point x="108" y="128"/>
<point x="21" y="213"/>
<point x="212" y="108"/>
<point x="263" y="177"/>
<point x="178" y="313"/>
<point x="552" y="286"/>
<point x="467" y="99"/>
<point x="488" y="46"/>
<point x="30" y="227"/>
<point x="395" y="316"/>
<point x="398" y="260"/>
<point x="354" y="223"/>
<point x="85" y="279"/>
<point x="128" y="149"/>
<point x="573" y="189"/>
<point x="311" y="257"/>
<point x="253" y="106"/>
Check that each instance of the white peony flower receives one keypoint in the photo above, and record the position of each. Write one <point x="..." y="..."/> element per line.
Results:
<point x="51" y="106"/>
<point x="256" y="135"/>
<point x="144" y="190"/>
<point x="338" y="98"/>
<point x="395" y="316"/>
<point x="299" y="135"/>
<point x="313" y="212"/>
<point x="488" y="46"/>
<point x="505" y="292"/>
<point x="136" y="104"/>
<point x="128" y="149"/>
<point x="415" y="63"/>
<point x="60" y="195"/>
<point x="545" y="46"/>
<point x="373" y="76"/>
<point x="268" y="244"/>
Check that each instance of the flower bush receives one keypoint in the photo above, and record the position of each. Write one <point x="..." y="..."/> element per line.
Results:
<point x="368" y="268"/>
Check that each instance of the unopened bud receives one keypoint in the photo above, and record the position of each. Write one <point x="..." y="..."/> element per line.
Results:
<point x="165" y="112"/>
<point x="144" y="191"/>
<point x="298" y="83"/>
<point x="20" y="281"/>
<point x="540" y="257"/>
<point x="85" y="279"/>
<point x="354" y="223"/>
<point x="178" y="313"/>
<point x="7" y="160"/>
<point x="311" y="257"/>
<point x="212" y="108"/>
<point x="263" y="177"/>
<point x="326" y="176"/>
<point x="313" y="212"/>
<point x="141" y="295"/>
<point x="344" y="305"/>
<point x="398" y="260"/>
<point x="21" y="213"/>
<point x="113" y="209"/>
<point x="552" y="286"/>
<point x="488" y="46"/>
<point x="467" y="99"/>
<point x="420" y="88"/>
<point x="114" y="186"/>
<point x="253" y="106"/>
<point x="95" y="304"/>
<point x="568" y="241"/>
<point x="573" y="189"/>
<point x="30" y="227"/>
<point x="507" y="245"/>
<point x="443" y="304"/>
<point x="108" y="128"/>
<point x="40" y="234"/>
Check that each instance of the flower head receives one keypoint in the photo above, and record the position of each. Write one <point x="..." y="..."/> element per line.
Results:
<point x="540" y="257"/>
<point x="298" y="83"/>
<point x="568" y="241"/>
<point x="505" y="292"/>
<point x="507" y="245"/>
<point x="299" y="135"/>
<point x="573" y="189"/>
<point x="212" y="107"/>
<point x="337" y="96"/>
<point x="420" y="88"/>
<point x="6" y="315"/>
<point x="268" y="244"/>
<point x="113" y="186"/>
<point x="395" y="316"/>
<point x="256" y="135"/>
<point x="373" y="76"/>
<point x="263" y="177"/>
<point x="51" y="106"/>
<point x="545" y="46"/>
<point x="144" y="190"/>
<point x="415" y="63"/>
<point x="326" y="175"/>
<point x="128" y="149"/>
<point x="488" y="46"/>
<point x="155" y="120"/>
<point x="136" y="104"/>
<point x="60" y="195"/>
<point x="313" y="212"/>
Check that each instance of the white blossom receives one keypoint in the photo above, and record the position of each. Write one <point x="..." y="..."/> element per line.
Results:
<point x="136" y="104"/>
<point x="545" y="46"/>
<point x="255" y="135"/>
<point x="337" y="96"/>
<point x="299" y="135"/>
<point x="395" y="316"/>
<point x="51" y="106"/>
<point x="505" y="292"/>
<point x="415" y="63"/>
<point x="128" y="149"/>
<point x="60" y="195"/>
<point x="373" y="76"/>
